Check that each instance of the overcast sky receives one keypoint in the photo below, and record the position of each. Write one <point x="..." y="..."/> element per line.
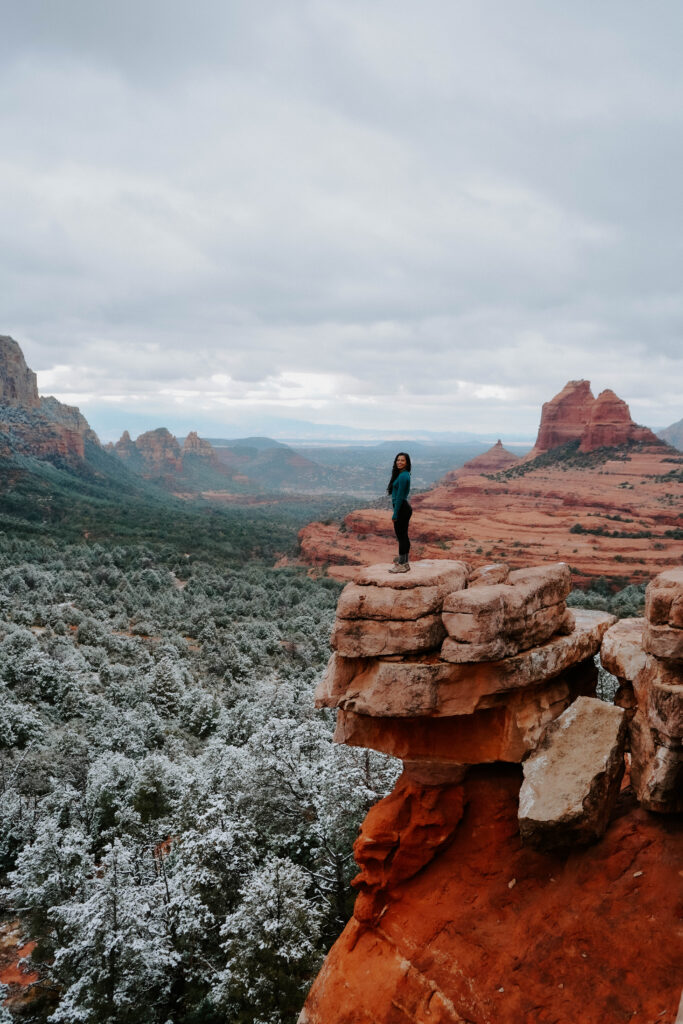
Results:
<point x="392" y="215"/>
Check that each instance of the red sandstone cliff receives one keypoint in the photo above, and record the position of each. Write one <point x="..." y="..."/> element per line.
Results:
<point x="575" y="415"/>
<point x="41" y="427"/>
<point x="17" y="383"/>
<point x="564" y="417"/>
<point x="610" y="425"/>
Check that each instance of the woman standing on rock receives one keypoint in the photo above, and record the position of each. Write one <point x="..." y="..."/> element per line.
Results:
<point x="399" y="489"/>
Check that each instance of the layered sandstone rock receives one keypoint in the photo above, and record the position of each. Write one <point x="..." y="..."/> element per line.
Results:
<point x="384" y="614"/>
<point x="645" y="656"/>
<point x="571" y="780"/>
<point x="496" y="621"/>
<point x="610" y="425"/>
<point x="18" y="385"/>
<point x="663" y="634"/>
<point x="399" y="689"/>
<point x="564" y="417"/>
<point x="451" y="919"/>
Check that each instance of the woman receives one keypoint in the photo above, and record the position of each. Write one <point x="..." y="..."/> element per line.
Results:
<point x="399" y="489"/>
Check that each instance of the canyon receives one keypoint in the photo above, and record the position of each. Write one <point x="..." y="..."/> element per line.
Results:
<point x="597" y="489"/>
<point x="526" y="866"/>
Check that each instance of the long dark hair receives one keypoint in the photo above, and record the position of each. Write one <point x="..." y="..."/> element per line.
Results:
<point x="395" y="471"/>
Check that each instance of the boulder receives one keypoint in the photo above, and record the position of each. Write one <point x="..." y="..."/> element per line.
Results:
<point x="664" y="599"/>
<point x="571" y="781"/>
<point x="486" y="623"/>
<point x="357" y="602"/>
<point x="663" y="641"/>
<point x="660" y="783"/>
<point x="621" y="651"/>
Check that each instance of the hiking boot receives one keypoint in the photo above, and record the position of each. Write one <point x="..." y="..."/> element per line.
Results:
<point x="401" y="567"/>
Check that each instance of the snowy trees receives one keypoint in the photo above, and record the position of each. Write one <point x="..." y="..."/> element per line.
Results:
<point x="271" y="945"/>
<point x="175" y="822"/>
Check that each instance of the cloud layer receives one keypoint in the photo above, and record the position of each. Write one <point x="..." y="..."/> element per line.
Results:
<point x="384" y="214"/>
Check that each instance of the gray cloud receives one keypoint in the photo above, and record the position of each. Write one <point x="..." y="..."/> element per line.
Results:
<point x="431" y="215"/>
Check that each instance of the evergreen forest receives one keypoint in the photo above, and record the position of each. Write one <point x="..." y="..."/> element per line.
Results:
<point x="176" y="825"/>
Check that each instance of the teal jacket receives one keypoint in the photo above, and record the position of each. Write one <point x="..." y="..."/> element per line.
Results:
<point x="399" y="491"/>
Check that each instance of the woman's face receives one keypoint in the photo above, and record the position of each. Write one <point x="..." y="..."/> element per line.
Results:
<point x="401" y="462"/>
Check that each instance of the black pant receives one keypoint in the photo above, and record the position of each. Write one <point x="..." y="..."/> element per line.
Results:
<point x="401" y="530"/>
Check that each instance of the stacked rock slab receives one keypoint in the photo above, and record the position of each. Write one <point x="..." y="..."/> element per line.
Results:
<point x="646" y="655"/>
<point x="438" y="672"/>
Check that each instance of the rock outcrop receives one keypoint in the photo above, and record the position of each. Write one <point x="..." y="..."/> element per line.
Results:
<point x="496" y="459"/>
<point x="196" y="445"/>
<point x="18" y="385"/>
<point x="610" y="425"/>
<point x="646" y="655"/>
<point x="564" y="417"/>
<point x="157" y="455"/>
<point x="575" y="415"/>
<point x="41" y="427"/>
<point x="451" y="916"/>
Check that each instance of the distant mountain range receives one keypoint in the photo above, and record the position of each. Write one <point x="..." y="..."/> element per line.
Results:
<point x="673" y="435"/>
<point x="38" y="431"/>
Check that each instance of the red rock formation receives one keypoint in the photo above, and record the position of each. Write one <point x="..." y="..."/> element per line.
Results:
<point x="125" y="447"/>
<point x="196" y="445"/>
<point x="455" y="921"/>
<point x="610" y="425"/>
<point x="153" y="454"/>
<point x="17" y="383"/>
<point x="490" y="932"/>
<point x="564" y="417"/>
<point x="41" y="427"/>
<point x="494" y="460"/>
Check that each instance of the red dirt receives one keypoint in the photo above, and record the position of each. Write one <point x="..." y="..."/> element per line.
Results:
<point x="12" y="950"/>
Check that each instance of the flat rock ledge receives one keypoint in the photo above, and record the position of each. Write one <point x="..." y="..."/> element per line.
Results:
<point x="571" y="780"/>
